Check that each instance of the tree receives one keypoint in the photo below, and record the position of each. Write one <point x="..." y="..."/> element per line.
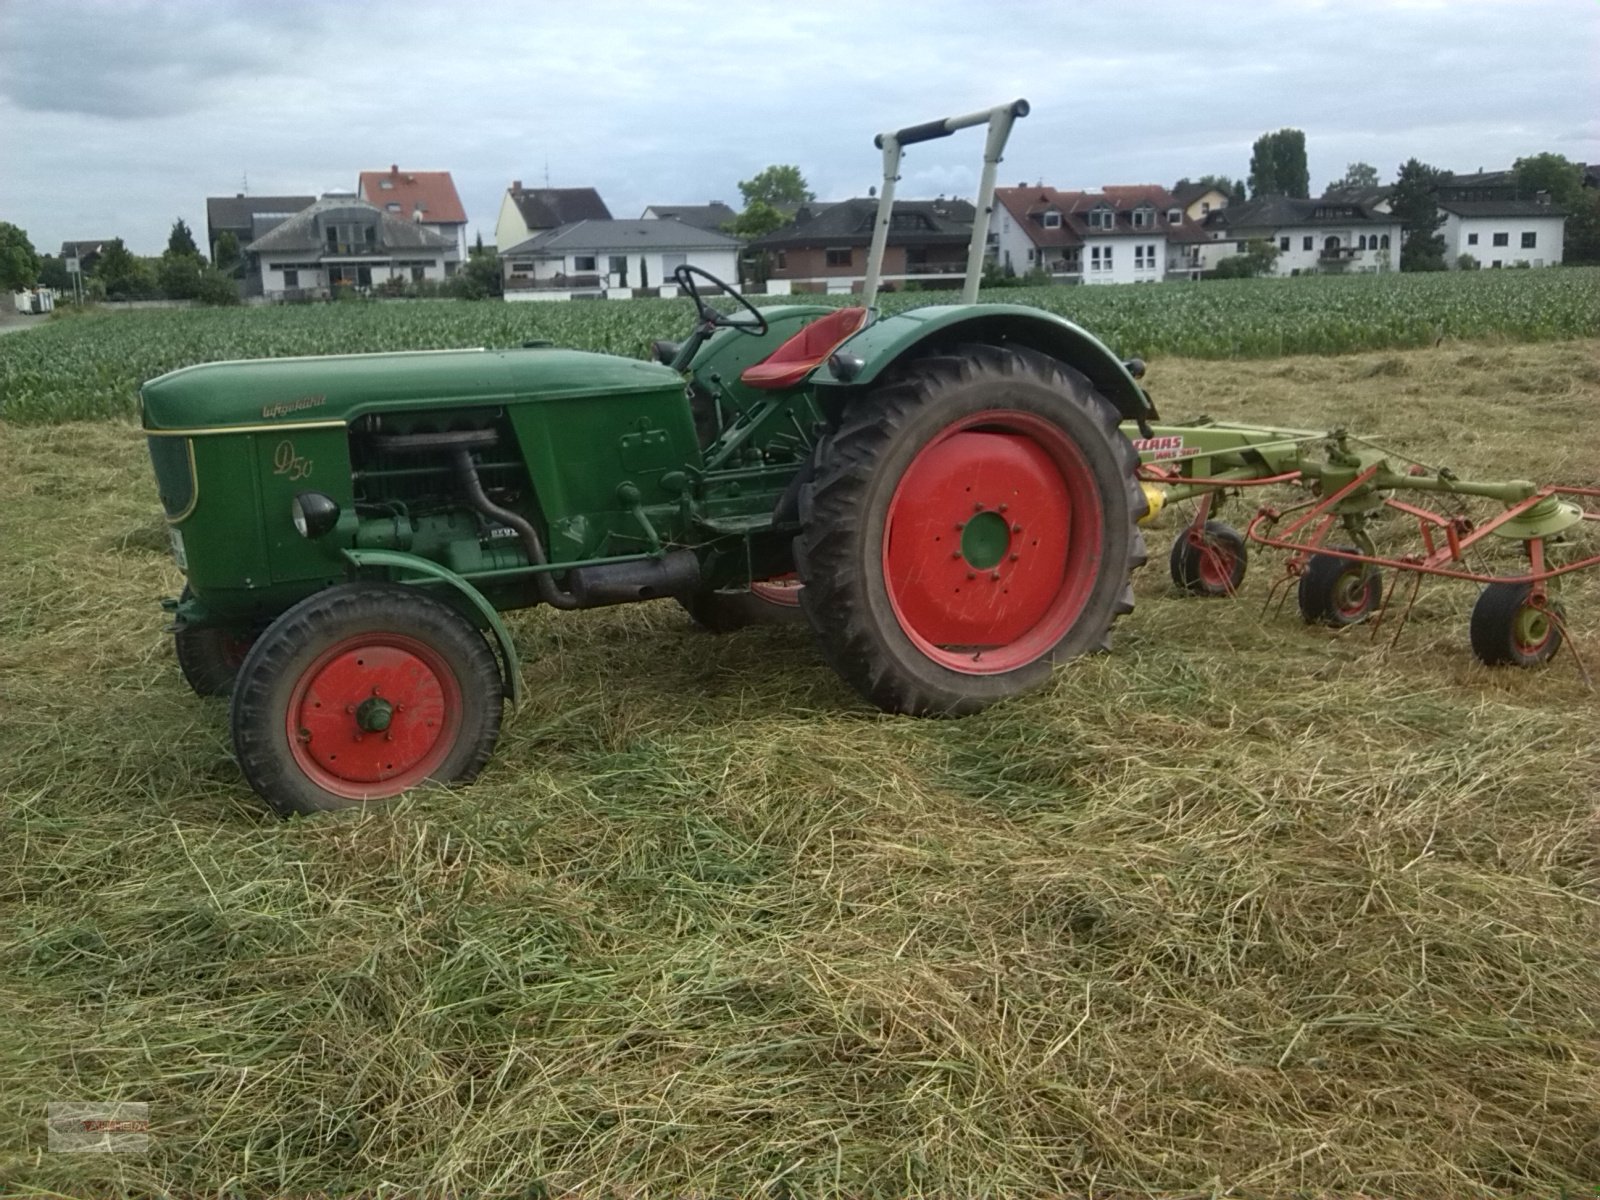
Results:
<point x="181" y="241"/>
<point x="758" y="218"/>
<point x="123" y="276"/>
<point x="778" y="184"/>
<point x="1257" y="259"/>
<point x="19" y="265"/>
<point x="1278" y="165"/>
<point x="478" y="279"/>
<point x="53" y="273"/>
<point x="1358" y="177"/>
<point x="229" y="259"/>
<point x="216" y="287"/>
<point x="178" y="275"/>
<point x="1549" y="173"/>
<point x="1412" y="201"/>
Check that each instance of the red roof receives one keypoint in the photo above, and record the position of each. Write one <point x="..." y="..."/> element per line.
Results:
<point x="1027" y="204"/>
<point x="431" y="192"/>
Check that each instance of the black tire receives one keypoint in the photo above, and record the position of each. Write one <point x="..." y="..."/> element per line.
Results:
<point x="1338" y="592"/>
<point x="289" y="671"/>
<point x="1218" y="568"/>
<point x="845" y="509"/>
<point x="1507" y="631"/>
<point x="730" y="610"/>
<point x="210" y="658"/>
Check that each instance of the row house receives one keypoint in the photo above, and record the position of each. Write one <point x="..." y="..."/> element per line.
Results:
<point x="1328" y="234"/>
<point x="1139" y="233"/>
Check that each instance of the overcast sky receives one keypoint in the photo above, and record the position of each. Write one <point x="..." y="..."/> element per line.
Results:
<point x="118" y="116"/>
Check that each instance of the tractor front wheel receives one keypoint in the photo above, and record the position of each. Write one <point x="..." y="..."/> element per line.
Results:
<point x="1339" y="591"/>
<point x="1509" y="630"/>
<point x="969" y="523"/>
<point x="1209" y="562"/>
<point x="360" y="692"/>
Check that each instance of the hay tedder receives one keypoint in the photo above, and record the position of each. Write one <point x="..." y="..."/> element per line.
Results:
<point x="948" y="496"/>
<point x="1354" y="489"/>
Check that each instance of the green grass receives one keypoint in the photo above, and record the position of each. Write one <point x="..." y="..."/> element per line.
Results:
<point x="1243" y="908"/>
<point x="81" y="368"/>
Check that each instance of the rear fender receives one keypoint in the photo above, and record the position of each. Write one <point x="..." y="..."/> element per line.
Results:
<point x="920" y="331"/>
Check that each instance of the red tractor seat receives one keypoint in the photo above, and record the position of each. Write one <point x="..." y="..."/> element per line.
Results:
<point x="804" y="352"/>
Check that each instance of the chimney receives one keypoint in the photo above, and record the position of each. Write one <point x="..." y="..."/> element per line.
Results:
<point x="394" y="168"/>
<point x="516" y="185"/>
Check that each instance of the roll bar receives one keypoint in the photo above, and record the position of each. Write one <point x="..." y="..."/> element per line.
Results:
<point x="999" y="120"/>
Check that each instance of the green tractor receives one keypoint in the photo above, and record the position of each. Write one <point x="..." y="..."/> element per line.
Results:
<point x="944" y="494"/>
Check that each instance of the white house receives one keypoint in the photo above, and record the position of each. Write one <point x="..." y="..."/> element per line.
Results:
<point x="343" y="242"/>
<point x="1503" y="233"/>
<point x="427" y="197"/>
<point x="1329" y="234"/>
<point x="591" y="259"/>
<point x="1123" y="234"/>
<point x="527" y="212"/>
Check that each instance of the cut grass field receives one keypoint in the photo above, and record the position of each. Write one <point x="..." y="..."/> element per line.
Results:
<point x="1243" y="908"/>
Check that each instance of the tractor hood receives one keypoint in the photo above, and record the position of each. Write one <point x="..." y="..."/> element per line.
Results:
<point x="272" y="392"/>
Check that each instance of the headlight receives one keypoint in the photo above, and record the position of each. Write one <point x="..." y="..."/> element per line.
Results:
<point x="313" y="514"/>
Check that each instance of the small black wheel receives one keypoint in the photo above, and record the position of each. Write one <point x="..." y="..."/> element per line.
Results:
<point x="1211" y="562"/>
<point x="970" y="522"/>
<point x="768" y="602"/>
<point x="360" y="692"/>
<point x="1510" y="630"/>
<point x="1338" y="592"/>
<point x="210" y="658"/>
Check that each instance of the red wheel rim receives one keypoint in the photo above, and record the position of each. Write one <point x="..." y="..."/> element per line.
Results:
<point x="992" y="542"/>
<point x="782" y="590"/>
<point x="1216" y="565"/>
<point x="1351" y="598"/>
<point x="235" y="650"/>
<point x="375" y="714"/>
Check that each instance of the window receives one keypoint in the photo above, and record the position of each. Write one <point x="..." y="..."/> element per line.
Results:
<point x="1144" y="257"/>
<point x="1362" y="243"/>
<point x="1305" y="243"/>
<point x="783" y="260"/>
<point x="392" y="206"/>
<point x="291" y="278"/>
<point x="450" y="268"/>
<point x="839" y="257"/>
<point x="1052" y="220"/>
<point x="1102" y="218"/>
<point x="1495" y="263"/>
<point x="1094" y="258"/>
<point x="618" y="265"/>
<point x="1502" y="239"/>
<point x="1530" y="240"/>
<point x="583" y="263"/>
<point x="520" y="267"/>
<point x="386" y="184"/>
<point x="1244" y="247"/>
<point x="1383" y="242"/>
<point x="1143" y="218"/>
<point x="1283" y="243"/>
<point x="1205" y="207"/>
<point x="418" y="273"/>
<point x="1472" y="239"/>
<point x="1174" y="216"/>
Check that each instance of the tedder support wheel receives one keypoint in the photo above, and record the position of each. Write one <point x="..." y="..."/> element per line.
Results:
<point x="1211" y="562"/>
<point x="210" y="658"/>
<point x="1338" y="592"/>
<point x="1509" y="630"/>
<point x="360" y="692"/>
<point x="767" y="602"/>
<point x="970" y="522"/>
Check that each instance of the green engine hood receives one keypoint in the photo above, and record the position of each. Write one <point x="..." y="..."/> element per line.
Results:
<point x="274" y="391"/>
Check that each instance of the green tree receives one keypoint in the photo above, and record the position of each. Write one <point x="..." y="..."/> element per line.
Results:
<point x="178" y="275"/>
<point x="478" y="279"/>
<point x="777" y="184"/>
<point x="1278" y="165"/>
<point x="181" y="241"/>
<point x="216" y="287"/>
<point x="1358" y="177"/>
<point x="19" y="265"/>
<point x="1412" y="201"/>
<point x="123" y="276"/>
<point x="53" y="273"/>
<point x="1257" y="259"/>
<point x="1549" y="173"/>
<point x="758" y="218"/>
<point x="228" y="257"/>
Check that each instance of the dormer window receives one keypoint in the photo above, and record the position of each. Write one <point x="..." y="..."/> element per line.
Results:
<point x="1143" y="217"/>
<point x="1102" y="218"/>
<point x="393" y="206"/>
<point x="386" y="184"/>
<point x="1052" y="219"/>
<point x="1174" y="216"/>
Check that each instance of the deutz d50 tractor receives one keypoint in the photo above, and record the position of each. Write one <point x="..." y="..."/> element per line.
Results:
<point x="944" y="494"/>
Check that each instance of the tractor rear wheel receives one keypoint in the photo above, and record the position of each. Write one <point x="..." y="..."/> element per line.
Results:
<point x="210" y="658"/>
<point x="969" y="523"/>
<point x="1509" y="631"/>
<point x="360" y="692"/>
<point x="1338" y="591"/>
<point x="1210" y="563"/>
<point x="766" y="602"/>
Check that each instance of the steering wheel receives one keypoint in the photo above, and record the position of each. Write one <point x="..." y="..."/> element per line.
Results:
<point x="684" y="276"/>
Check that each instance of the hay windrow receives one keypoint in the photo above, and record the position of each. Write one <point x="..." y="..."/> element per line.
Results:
<point x="1244" y="908"/>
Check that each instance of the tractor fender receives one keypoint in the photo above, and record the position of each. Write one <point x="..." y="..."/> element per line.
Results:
<point x="397" y="560"/>
<point x="917" y="331"/>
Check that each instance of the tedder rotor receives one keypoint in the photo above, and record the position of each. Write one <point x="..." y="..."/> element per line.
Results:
<point x="1351" y="487"/>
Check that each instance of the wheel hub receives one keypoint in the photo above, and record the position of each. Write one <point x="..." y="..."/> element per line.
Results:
<point x="369" y="713"/>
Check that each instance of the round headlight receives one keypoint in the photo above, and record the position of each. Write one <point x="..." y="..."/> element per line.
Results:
<point x="313" y="514"/>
